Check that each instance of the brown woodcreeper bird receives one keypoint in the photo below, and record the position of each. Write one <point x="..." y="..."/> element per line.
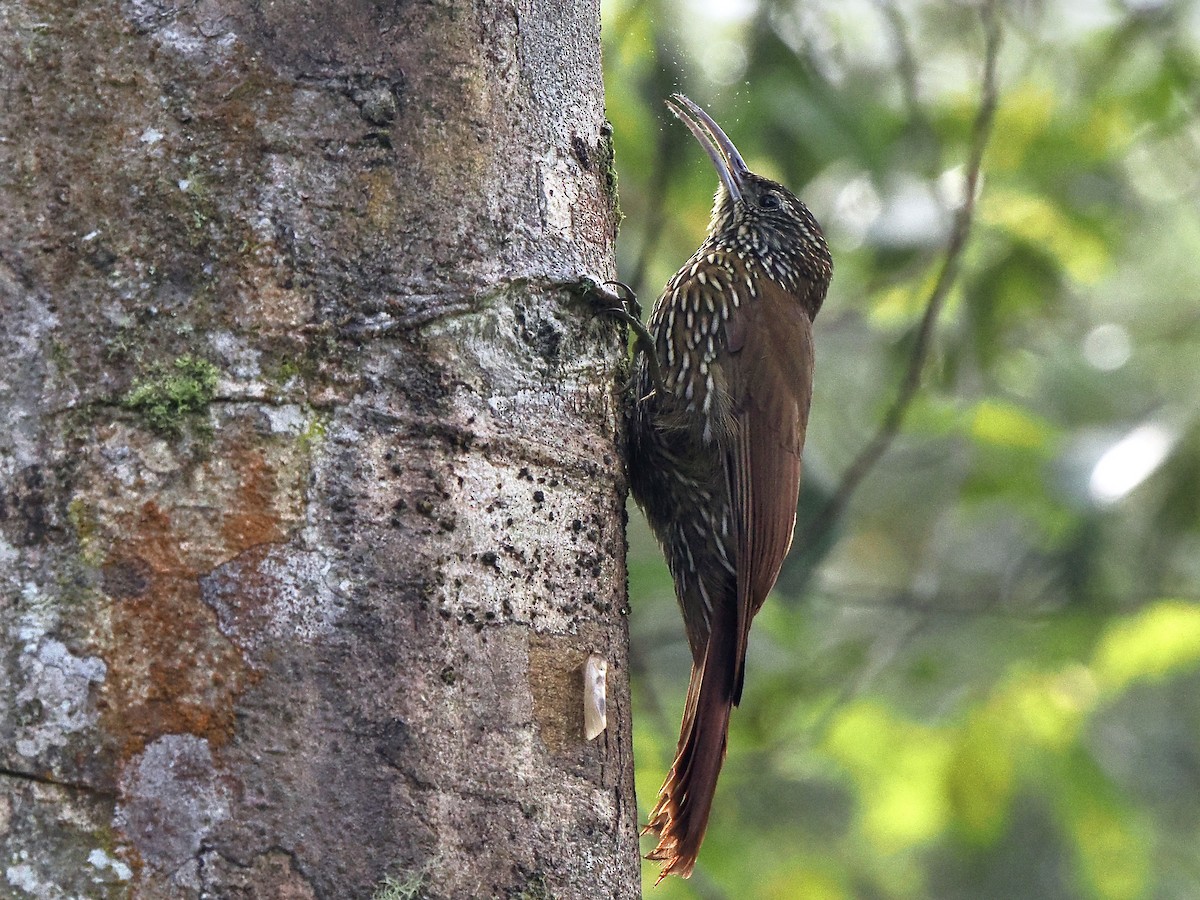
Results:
<point x="715" y="441"/>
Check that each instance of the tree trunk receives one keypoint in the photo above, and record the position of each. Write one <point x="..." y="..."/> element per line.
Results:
<point x="311" y="504"/>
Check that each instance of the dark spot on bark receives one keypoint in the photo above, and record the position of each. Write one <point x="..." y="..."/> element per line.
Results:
<point x="580" y="149"/>
<point x="542" y="334"/>
<point x="395" y="743"/>
<point x="548" y="342"/>
<point x="30" y="713"/>
<point x="24" y="504"/>
<point x="377" y="104"/>
<point x="436" y="429"/>
<point x="539" y="496"/>
<point x="100" y="258"/>
<point x="449" y="676"/>
<point x="489" y="558"/>
<point x="380" y="139"/>
<point x="124" y="578"/>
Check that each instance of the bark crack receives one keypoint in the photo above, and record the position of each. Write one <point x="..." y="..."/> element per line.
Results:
<point x="37" y="778"/>
<point x="414" y="310"/>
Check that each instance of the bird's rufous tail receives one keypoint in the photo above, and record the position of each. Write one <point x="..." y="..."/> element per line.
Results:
<point x="681" y="814"/>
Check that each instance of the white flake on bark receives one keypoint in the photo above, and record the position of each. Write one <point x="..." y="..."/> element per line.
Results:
<point x="595" y="696"/>
<point x="101" y="860"/>
<point x="57" y="684"/>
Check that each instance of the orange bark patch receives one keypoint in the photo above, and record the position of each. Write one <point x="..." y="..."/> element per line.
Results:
<point x="170" y="669"/>
<point x="253" y="520"/>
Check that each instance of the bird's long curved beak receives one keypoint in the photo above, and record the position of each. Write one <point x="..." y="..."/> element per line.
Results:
<point x="731" y="168"/>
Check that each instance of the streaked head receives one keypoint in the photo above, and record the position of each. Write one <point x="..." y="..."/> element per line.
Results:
<point x="755" y="215"/>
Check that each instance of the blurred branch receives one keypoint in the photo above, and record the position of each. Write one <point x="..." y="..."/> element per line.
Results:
<point x="960" y="233"/>
<point x="884" y="649"/>
<point x="906" y="68"/>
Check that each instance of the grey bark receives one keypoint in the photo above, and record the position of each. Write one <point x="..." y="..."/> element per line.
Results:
<point x="311" y="504"/>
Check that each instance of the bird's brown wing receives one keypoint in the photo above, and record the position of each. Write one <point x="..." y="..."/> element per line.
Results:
<point x="771" y="390"/>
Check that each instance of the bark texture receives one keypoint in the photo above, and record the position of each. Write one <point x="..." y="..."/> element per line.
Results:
<point x="311" y="505"/>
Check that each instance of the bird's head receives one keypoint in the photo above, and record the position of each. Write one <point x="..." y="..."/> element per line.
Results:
<point x="756" y="216"/>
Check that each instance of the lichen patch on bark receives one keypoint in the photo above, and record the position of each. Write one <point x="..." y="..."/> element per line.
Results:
<point x="172" y="797"/>
<point x="271" y="595"/>
<point x="54" y="698"/>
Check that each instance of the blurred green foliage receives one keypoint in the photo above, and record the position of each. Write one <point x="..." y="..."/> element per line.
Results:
<point x="984" y="682"/>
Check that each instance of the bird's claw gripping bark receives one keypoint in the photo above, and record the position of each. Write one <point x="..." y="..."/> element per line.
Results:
<point x="627" y="298"/>
<point x="629" y="311"/>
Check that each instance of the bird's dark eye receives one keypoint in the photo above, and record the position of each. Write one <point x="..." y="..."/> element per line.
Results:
<point x="769" y="200"/>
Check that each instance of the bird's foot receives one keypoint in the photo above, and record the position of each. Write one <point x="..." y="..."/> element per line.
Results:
<point x="623" y="304"/>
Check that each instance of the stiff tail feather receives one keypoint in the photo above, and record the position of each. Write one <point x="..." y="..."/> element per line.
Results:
<point x="685" y="799"/>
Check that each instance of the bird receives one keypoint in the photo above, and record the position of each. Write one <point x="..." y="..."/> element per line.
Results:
<point x="716" y="431"/>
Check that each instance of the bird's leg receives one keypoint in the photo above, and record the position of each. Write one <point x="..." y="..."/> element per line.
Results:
<point x="630" y="312"/>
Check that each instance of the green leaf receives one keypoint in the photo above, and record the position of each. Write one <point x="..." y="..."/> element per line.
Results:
<point x="1113" y="856"/>
<point x="1024" y="113"/>
<point x="899" y="767"/>
<point x="1038" y="220"/>
<point x="980" y="777"/>
<point x="1007" y="425"/>
<point x="1160" y="641"/>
